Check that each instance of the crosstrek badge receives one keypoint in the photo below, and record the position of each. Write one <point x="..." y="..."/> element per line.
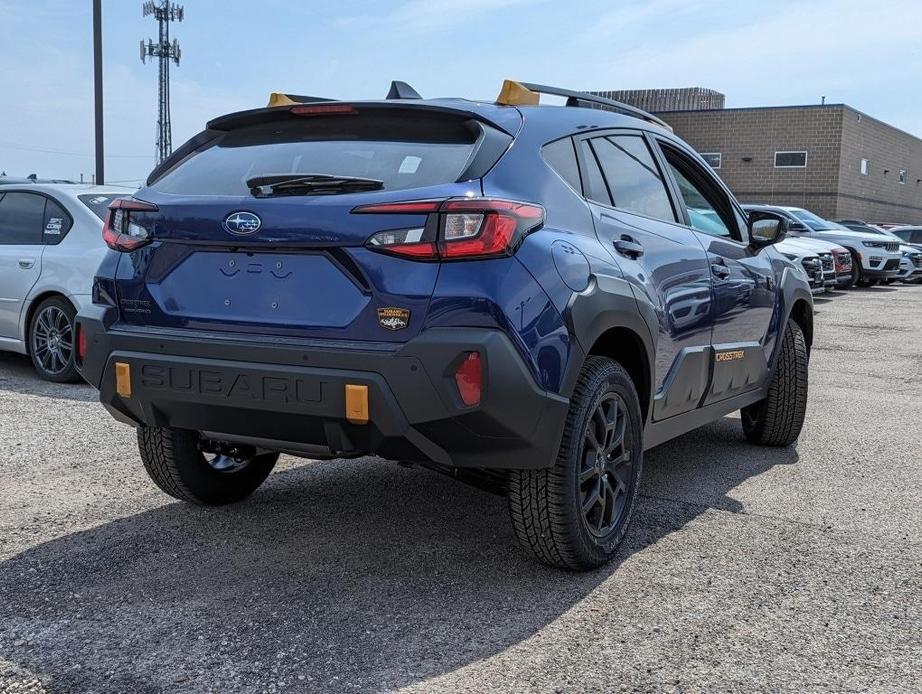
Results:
<point x="393" y="318"/>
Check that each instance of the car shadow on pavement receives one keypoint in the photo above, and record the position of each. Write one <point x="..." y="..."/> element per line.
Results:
<point x="18" y="375"/>
<point x="355" y="575"/>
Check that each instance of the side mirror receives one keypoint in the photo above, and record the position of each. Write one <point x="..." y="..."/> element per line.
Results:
<point x="766" y="228"/>
<point x="798" y="226"/>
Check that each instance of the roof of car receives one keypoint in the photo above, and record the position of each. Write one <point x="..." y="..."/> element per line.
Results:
<point x="71" y="190"/>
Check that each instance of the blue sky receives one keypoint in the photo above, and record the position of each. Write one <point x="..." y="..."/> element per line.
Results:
<point x="758" y="52"/>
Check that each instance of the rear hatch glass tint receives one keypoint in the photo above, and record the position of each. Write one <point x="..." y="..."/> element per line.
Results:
<point x="403" y="152"/>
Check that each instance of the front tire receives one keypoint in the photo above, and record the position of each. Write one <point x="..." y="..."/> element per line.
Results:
<point x="778" y="419"/>
<point x="51" y="341"/>
<point x="175" y="461"/>
<point x="576" y="513"/>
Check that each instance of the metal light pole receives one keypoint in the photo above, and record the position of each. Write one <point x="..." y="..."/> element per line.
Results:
<point x="97" y="86"/>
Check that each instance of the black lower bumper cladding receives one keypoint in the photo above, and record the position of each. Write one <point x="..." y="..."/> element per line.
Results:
<point x="291" y="397"/>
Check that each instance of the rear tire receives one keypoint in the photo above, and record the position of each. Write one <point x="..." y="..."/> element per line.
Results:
<point x="575" y="514"/>
<point x="51" y="341"/>
<point x="778" y="419"/>
<point x="174" y="461"/>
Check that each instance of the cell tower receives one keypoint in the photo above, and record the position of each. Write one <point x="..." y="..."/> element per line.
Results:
<point x="164" y="12"/>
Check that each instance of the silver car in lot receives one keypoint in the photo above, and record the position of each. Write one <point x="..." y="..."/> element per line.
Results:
<point x="50" y="246"/>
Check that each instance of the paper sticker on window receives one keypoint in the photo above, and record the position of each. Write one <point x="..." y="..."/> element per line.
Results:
<point x="410" y="164"/>
<point x="98" y="200"/>
<point x="53" y="226"/>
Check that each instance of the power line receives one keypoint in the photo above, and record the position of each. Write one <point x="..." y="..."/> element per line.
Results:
<point x="5" y="145"/>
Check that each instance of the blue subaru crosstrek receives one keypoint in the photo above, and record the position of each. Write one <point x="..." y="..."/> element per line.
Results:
<point x="523" y="296"/>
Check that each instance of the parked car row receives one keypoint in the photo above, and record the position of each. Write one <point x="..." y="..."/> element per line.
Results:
<point x="847" y="253"/>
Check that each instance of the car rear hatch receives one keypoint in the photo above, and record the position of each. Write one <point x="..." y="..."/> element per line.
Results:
<point x="253" y="228"/>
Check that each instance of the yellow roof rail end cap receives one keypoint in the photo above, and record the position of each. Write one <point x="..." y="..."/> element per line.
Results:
<point x="514" y="94"/>
<point x="279" y="99"/>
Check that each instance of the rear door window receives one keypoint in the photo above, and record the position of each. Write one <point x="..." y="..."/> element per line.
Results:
<point x="401" y="151"/>
<point x="595" y="183"/>
<point x="22" y="217"/>
<point x="634" y="180"/>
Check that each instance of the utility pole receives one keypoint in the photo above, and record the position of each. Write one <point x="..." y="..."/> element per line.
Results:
<point x="164" y="11"/>
<point x="97" y="88"/>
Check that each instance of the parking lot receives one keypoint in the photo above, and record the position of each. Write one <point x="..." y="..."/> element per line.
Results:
<point x="745" y="568"/>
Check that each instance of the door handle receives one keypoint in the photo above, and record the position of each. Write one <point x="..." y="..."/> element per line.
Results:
<point x="26" y="263"/>
<point x="628" y="247"/>
<point x="720" y="270"/>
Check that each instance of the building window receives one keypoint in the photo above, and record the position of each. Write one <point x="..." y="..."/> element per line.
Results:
<point x="903" y="177"/>
<point x="712" y="158"/>
<point x="865" y="167"/>
<point x="790" y="160"/>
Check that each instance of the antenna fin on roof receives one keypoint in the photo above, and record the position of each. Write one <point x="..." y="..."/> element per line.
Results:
<point x="402" y="90"/>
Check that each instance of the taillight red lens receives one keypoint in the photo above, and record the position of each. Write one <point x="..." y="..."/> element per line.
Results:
<point x="81" y="343"/>
<point x="469" y="379"/>
<point x="120" y="231"/>
<point x="458" y="228"/>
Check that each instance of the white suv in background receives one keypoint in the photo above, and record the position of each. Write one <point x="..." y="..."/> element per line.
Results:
<point x="50" y="246"/>
<point x="875" y="258"/>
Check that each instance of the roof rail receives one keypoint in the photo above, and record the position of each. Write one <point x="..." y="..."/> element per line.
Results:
<point x="526" y="93"/>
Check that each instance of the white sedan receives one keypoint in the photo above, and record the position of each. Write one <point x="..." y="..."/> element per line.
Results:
<point x="50" y="246"/>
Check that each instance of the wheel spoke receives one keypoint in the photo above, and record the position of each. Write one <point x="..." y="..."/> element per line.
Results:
<point x="591" y="500"/>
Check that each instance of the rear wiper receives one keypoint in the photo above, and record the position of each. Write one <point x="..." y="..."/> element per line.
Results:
<point x="270" y="185"/>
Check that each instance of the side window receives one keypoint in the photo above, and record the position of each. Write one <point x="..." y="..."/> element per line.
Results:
<point x="561" y="157"/>
<point x="595" y="184"/>
<point x="708" y="210"/>
<point x="917" y="236"/>
<point x="634" y="181"/>
<point x="57" y="222"/>
<point x="22" y="217"/>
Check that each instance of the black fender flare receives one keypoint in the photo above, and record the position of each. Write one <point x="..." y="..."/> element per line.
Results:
<point x="608" y="302"/>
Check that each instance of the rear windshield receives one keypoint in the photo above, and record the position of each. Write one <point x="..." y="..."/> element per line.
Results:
<point x="98" y="204"/>
<point x="401" y="152"/>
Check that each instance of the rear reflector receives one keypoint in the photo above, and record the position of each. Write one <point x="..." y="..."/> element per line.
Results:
<point x="123" y="379"/>
<point x="81" y="344"/>
<point x="469" y="379"/>
<point x="356" y="404"/>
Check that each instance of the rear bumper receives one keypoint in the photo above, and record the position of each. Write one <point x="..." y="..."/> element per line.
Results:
<point x="291" y="397"/>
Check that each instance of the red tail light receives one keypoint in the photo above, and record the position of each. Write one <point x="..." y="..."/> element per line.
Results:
<point x="123" y="233"/>
<point x="81" y="344"/>
<point x="469" y="379"/>
<point x="457" y="229"/>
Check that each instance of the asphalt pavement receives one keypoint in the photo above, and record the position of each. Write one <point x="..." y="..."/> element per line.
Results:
<point x="745" y="569"/>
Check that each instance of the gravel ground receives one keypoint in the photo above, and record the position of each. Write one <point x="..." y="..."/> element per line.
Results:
<point x="745" y="568"/>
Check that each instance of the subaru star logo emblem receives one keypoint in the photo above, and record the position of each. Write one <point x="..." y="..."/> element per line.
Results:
<point x="242" y="223"/>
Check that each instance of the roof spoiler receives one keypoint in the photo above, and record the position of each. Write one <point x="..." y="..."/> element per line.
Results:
<point x="529" y="94"/>
<point x="398" y="90"/>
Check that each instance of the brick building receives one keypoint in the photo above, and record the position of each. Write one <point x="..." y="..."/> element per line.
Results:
<point x="831" y="159"/>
